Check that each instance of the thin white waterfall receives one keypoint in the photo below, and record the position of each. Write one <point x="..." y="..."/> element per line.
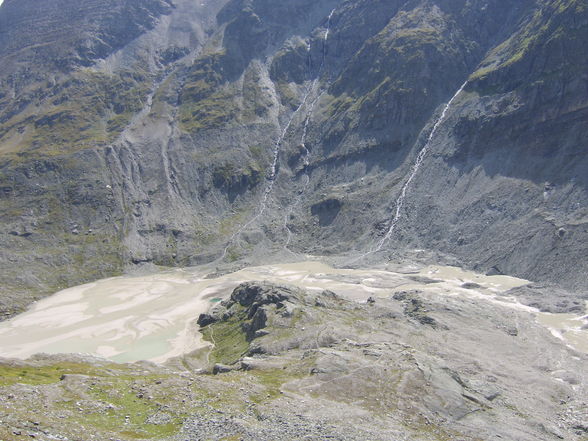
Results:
<point x="306" y="152"/>
<point x="271" y="178"/>
<point x="413" y="171"/>
<point x="278" y="145"/>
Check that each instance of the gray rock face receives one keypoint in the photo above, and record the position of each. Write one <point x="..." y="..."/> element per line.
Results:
<point x="52" y="36"/>
<point x="465" y="370"/>
<point x="244" y="131"/>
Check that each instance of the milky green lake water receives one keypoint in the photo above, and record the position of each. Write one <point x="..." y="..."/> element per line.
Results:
<point x="154" y="317"/>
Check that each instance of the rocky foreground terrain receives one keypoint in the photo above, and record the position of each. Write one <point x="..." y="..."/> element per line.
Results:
<point x="288" y="364"/>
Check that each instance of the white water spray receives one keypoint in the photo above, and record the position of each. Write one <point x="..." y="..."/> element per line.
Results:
<point x="305" y="163"/>
<point x="327" y="36"/>
<point x="270" y="181"/>
<point x="306" y="155"/>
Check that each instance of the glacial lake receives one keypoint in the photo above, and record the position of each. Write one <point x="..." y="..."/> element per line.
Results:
<point x="153" y="317"/>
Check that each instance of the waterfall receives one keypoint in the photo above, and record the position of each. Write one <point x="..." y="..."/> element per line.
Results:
<point x="270" y="179"/>
<point x="413" y="171"/>
<point x="305" y="163"/>
<point x="306" y="154"/>
<point x="326" y="38"/>
<point x="278" y="144"/>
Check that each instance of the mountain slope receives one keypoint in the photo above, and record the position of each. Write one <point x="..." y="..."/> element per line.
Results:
<point x="246" y="129"/>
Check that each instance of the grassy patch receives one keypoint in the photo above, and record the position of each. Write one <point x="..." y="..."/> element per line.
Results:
<point x="128" y="414"/>
<point x="215" y="111"/>
<point x="229" y="339"/>
<point x="237" y="437"/>
<point x="230" y="223"/>
<point x="89" y="109"/>
<point x="272" y="380"/>
<point x="233" y="254"/>
<point x="203" y="102"/>
<point x="288" y="95"/>
<point x="32" y="375"/>
<point x="549" y="27"/>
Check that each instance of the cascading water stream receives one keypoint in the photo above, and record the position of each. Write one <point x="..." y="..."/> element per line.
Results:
<point x="312" y="86"/>
<point x="306" y="154"/>
<point x="271" y="180"/>
<point x="305" y="163"/>
<point x="278" y="144"/>
<point x="413" y="171"/>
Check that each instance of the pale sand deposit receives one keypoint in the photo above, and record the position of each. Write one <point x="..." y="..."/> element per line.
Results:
<point x="154" y="317"/>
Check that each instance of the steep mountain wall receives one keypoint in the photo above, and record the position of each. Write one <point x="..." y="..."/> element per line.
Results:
<point x="244" y="129"/>
<point x="515" y="159"/>
<point x="504" y="184"/>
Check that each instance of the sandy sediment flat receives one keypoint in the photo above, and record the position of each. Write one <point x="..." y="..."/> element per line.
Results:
<point x="154" y="317"/>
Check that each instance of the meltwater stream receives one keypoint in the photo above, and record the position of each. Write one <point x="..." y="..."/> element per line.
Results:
<point x="278" y="145"/>
<point x="413" y="171"/>
<point x="306" y="153"/>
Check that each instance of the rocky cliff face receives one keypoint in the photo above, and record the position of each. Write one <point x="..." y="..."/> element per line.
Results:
<point x="178" y="132"/>
<point x="62" y="35"/>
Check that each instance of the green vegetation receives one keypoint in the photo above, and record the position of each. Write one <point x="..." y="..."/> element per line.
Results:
<point x="203" y="235"/>
<point x="130" y="411"/>
<point x="230" y="223"/>
<point x="206" y="73"/>
<point x="338" y="105"/>
<point x="89" y="109"/>
<point x="233" y="254"/>
<point x="272" y="380"/>
<point x="165" y="94"/>
<point x="203" y="102"/>
<point x="208" y="100"/>
<point x="125" y="402"/>
<point x="257" y="153"/>
<point x="106" y="399"/>
<point x="229" y="339"/>
<point x="383" y="70"/>
<point x="24" y="374"/>
<point x="231" y="175"/>
<point x="288" y="95"/>
<point x="551" y="24"/>
<point x="216" y="110"/>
